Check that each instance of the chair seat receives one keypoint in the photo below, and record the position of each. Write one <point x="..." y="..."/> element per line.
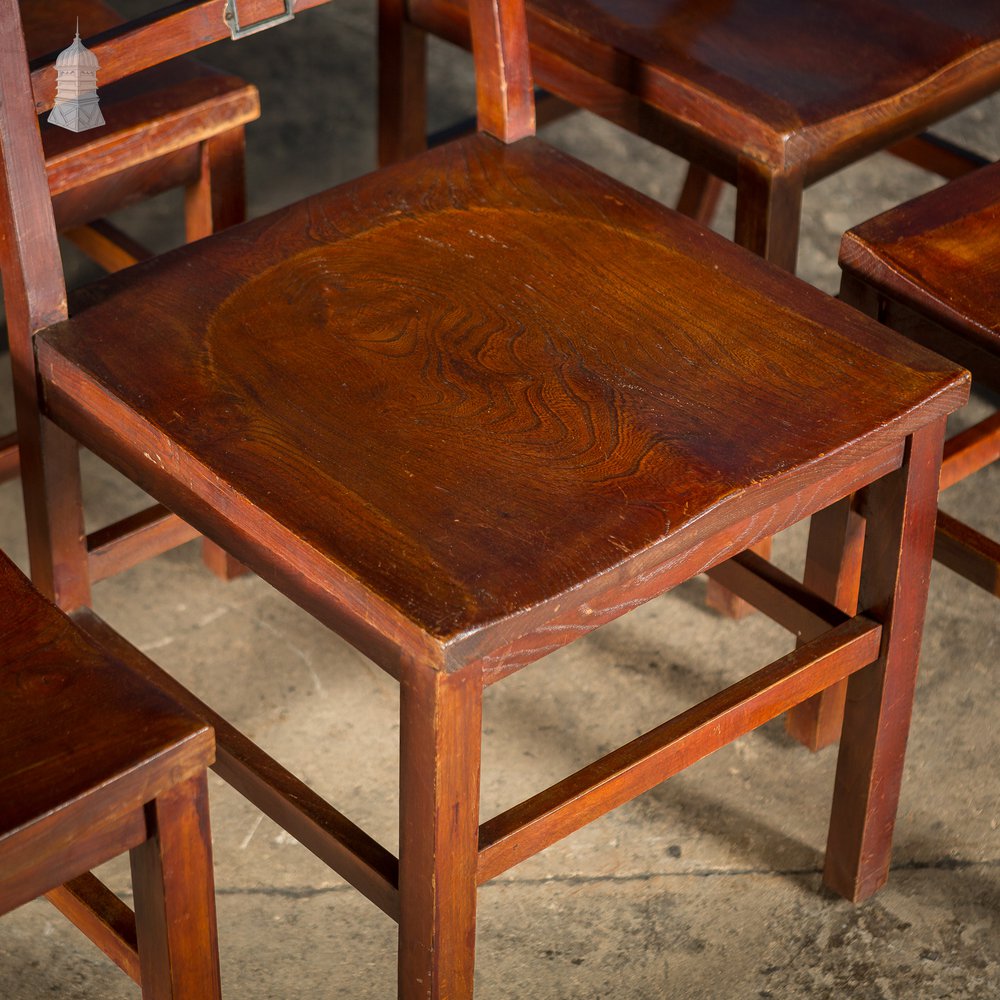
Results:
<point x="748" y="77"/>
<point x="618" y="383"/>
<point x="80" y="733"/>
<point x="940" y="254"/>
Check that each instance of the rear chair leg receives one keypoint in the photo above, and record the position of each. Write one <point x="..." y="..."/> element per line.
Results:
<point x="899" y="511"/>
<point x="833" y="568"/>
<point x="699" y="198"/>
<point x="402" y="84"/>
<point x="768" y="215"/>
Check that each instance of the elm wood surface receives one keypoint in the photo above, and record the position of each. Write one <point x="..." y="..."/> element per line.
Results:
<point x="768" y="94"/>
<point x="477" y="435"/>
<point x="97" y="761"/>
<point x="593" y="413"/>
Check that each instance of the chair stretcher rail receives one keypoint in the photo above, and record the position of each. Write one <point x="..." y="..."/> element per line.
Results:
<point x="293" y="805"/>
<point x="568" y="805"/>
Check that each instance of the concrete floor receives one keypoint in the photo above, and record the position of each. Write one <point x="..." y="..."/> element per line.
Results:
<point x="707" y="887"/>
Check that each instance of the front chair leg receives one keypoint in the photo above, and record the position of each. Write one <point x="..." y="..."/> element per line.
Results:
<point x="899" y="511"/>
<point x="174" y="898"/>
<point x="440" y="743"/>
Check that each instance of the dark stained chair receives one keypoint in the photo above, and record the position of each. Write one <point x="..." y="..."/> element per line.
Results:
<point x="177" y="126"/>
<point x="465" y="410"/>
<point x="96" y="761"/>
<point x="769" y="95"/>
<point x="931" y="270"/>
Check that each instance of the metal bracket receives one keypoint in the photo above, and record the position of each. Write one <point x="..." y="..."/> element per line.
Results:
<point x="232" y="18"/>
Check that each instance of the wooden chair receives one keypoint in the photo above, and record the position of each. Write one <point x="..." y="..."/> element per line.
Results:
<point x="95" y="761"/>
<point x="927" y="269"/>
<point x="930" y="269"/>
<point x="769" y="95"/>
<point x="178" y="126"/>
<point x="503" y="400"/>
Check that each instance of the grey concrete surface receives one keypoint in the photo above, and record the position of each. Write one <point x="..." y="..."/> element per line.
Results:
<point x="707" y="887"/>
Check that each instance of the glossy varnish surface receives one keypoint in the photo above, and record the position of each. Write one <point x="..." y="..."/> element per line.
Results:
<point x="782" y="80"/>
<point x="939" y="254"/>
<point x="55" y="746"/>
<point x="466" y="461"/>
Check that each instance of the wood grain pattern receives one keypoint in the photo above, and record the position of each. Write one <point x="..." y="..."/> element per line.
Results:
<point x="582" y="416"/>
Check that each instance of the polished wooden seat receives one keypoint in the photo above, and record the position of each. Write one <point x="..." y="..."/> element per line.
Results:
<point x="179" y="125"/>
<point x="95" y="761"/>
<point x="504" y="399"/>
<point x="931" y="270"/>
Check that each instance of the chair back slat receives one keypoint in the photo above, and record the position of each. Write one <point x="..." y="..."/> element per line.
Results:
<point x="505" y="100"/>
<point x="166" y="33"/>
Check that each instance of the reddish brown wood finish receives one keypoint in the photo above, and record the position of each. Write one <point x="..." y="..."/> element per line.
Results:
<point x="929" y="269"/>
<point x="895" y="574"/>
<point x="833" y="568"/>
<point x="937" y="259"/>
<point x="768" y="94"/>
<point x="568" y="426"/>
<point x="180" y="125"/>
<point x="89" y="904"/>
<point x="96" y="761"/>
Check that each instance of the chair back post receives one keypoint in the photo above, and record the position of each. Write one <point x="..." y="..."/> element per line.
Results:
<point x="35" y="297"/>
<point x="34" y="289"/>
<point x="505" y="100"/>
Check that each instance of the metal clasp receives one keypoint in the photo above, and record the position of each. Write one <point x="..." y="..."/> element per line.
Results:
<point x="232" y="18"/>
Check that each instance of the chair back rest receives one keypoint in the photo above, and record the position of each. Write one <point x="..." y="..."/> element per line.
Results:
<point x="34" y="289"/>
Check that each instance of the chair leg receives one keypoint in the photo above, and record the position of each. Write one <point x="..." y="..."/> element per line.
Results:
<point x="699" y="197"/>
<point x="768" y="215"/>
<point x="900" y="513"/>
<point x="402" y="84"/>
<point x="174" y="898"/>
<point x="53" y="505"/>
<point x="440" y="743"/>
<point x="216" y="200"/>
<point x="833" y="569"/>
